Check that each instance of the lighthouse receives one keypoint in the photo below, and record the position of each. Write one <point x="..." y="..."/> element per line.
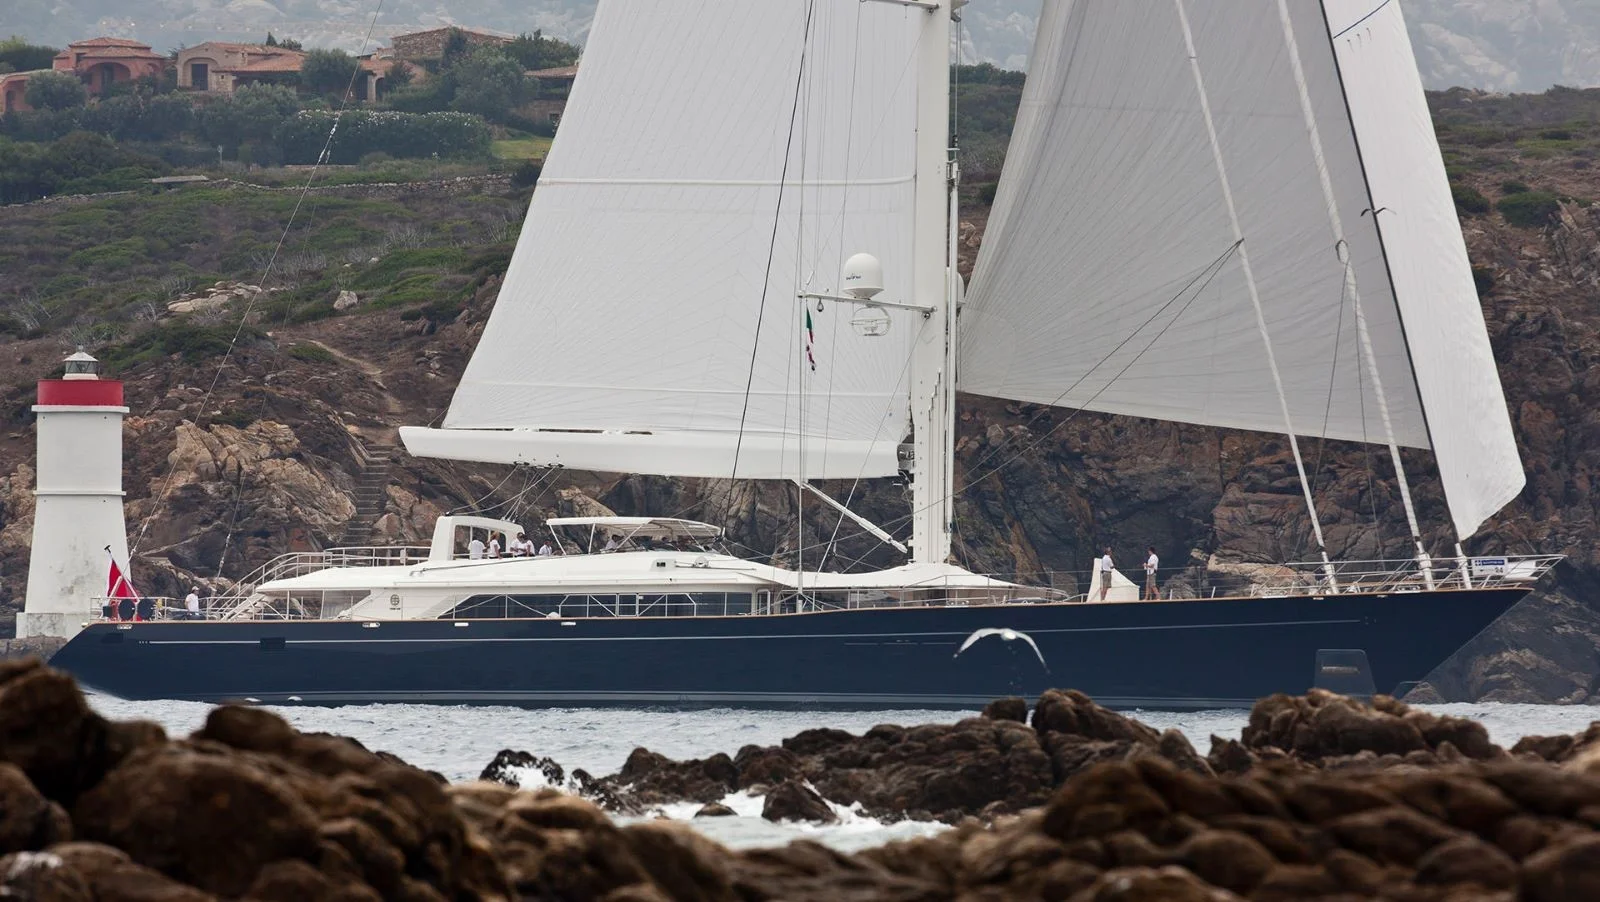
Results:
<point x="78" y="499"/>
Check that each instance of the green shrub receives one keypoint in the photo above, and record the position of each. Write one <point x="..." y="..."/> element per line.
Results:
<point x="194" y="343"/>
<point x="1483" y="278"/>
<point x="233" y="415"/>
<point x="361" y="132"/>
<point x="1530" y="210"/>
<point x="312" y="354"/>
<point x="526" y="175"/>
<point x="1469" y="200"/>
<point x="1512" y="186"/>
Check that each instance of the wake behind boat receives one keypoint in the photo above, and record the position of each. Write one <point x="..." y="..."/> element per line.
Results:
<point x="1231" y="214"/>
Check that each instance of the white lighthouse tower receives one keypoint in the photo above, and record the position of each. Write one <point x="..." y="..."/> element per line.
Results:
<point x="78" y="497"/>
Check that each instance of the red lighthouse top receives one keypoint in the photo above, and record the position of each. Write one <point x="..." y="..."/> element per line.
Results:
<point x="81" y="386"/>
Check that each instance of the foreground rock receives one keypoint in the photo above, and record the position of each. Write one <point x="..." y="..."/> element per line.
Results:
<point x="984" y="766"/>
<point x="1000" y="763"/>
<point x="247" y="808"/>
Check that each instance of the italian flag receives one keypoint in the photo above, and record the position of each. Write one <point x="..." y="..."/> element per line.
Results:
<point x="810" y="340"/>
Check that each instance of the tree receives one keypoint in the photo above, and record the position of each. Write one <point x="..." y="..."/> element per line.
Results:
<point x="55" y="91"/>
<point x="535" y="51"/>
<point x="286" y="43"/>
<point x="488" y="83"/>
<point x="329" y="72"/>
<point x="252" y="113"/>
<point x="455" y="47"/>
<point x="22" y="56"/>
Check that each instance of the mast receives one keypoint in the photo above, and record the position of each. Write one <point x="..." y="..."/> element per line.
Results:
<point x="932" y="368"/>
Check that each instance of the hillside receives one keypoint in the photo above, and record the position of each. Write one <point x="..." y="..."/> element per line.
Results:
<point x="271" y="462"/>
<point x="1486" y="44"/>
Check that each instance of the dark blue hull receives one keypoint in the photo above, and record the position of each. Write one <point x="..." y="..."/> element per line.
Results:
<point x="1223" y="653"/>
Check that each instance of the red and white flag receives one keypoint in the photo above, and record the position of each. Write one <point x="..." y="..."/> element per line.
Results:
<point x="118" y="587"/>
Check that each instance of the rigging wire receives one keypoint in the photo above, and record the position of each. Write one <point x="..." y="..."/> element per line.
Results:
<point x="772" y="248"/>
<point x="172" y="464"/>
<point x="1333" y="379"/>
<point x="1204" y="278"/>
<point x="1214" y="268"/>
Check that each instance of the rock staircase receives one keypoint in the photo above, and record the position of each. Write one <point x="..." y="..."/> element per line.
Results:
<point x="371" y="494"/>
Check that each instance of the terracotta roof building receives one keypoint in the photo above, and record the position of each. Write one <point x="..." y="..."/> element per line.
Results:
<point x="102" y="62"/>
<point x="222" y="67"/>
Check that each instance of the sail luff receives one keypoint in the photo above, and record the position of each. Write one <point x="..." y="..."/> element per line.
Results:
<point x="1463" y="405"/>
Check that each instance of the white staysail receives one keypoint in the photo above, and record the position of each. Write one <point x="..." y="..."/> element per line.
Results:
<point x="1110" y="277"/>
<point x="716" y="158"/>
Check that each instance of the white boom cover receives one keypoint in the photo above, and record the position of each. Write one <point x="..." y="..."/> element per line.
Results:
<point x="648" y="280"/>
<point x="1107" y="278"/>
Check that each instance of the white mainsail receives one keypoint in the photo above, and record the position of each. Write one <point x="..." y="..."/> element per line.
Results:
<point x="641" y="302"/>
<point x="1110" y="277"/>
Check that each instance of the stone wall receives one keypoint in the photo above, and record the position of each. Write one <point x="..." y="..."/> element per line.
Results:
<point x="422" y="45"/>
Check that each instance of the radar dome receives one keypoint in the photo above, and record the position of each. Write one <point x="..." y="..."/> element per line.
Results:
<point x="863" y="277"/>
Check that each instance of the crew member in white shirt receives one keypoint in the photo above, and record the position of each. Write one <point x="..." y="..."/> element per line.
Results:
<point x="517" y="549"/>
<point x="191" y="603"/>
<point x="494" y="546"/>
<point x="475" y="549"/>
<point x="1151" y="593"/>
<point x="1106" y="569"/>
<point x="544" y="550"/>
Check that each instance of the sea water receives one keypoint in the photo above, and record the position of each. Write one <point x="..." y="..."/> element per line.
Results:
<point x="459" y="741"/>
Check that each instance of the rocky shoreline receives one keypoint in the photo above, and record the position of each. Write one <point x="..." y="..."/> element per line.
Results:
<point x="1322" y="798"/>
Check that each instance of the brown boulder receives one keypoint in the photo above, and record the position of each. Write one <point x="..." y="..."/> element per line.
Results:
<point x="173" y="810"/>
<point x="794" y="801"/>
<point x="1564" y="872"/>
<point x="1393" y="835"/>
<point x="1467" y="859"/>
<point x="715" y="809"/>
<point x="684" y="864"/>
<point x="28" y="820"/>
<point x="1227" y="859"/>
<point x="295" y="881"/>
<point x="40" y="877"/>
<point x="112" y="877"/>
<point x="765" y="766"/>
<point x="47" y="730"/>
<point x="1075" y="714"/>
<point x="1167" y="884"/>
<point x="1007" y="709"/>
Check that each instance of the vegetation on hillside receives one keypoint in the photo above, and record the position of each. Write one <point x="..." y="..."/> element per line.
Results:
<point x="102" y="272"/>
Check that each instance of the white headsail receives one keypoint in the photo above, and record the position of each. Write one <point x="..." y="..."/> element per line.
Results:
<point x="1110" y="280"/>
<point x="657" y="271"/>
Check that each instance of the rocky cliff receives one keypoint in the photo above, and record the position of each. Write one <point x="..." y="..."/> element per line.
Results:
<point x="302" y="409"/>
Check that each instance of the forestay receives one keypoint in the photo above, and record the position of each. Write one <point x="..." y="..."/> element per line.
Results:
<point x="650" y="279"/>
<point x="1110" y="279"/>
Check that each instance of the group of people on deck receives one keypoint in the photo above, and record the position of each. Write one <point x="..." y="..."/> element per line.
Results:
<point x="521" y="546"/>
<point x="1152" y="563"/>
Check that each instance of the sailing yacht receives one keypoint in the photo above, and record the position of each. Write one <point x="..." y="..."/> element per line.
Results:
<point x="740" y="264"/>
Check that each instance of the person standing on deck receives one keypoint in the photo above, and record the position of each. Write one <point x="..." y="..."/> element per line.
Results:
<point x="494" y="546"/>
<point x="1106" y="569"/>
<point x="191" y="603"/>
<point x="1151" y="593"/>
<point x="475" y="549"/>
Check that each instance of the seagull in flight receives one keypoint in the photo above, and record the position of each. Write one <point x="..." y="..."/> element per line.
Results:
<point x="1005" y="633"/>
